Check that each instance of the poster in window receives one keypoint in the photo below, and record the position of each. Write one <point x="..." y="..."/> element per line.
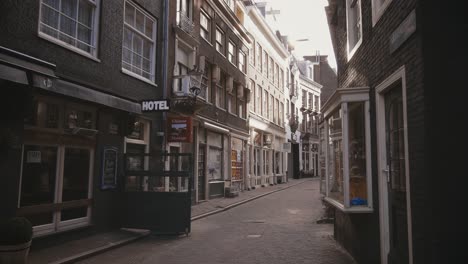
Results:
<point x="109" y="168"/>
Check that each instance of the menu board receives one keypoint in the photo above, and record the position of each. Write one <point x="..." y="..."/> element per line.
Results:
<point x="109" y="168"/>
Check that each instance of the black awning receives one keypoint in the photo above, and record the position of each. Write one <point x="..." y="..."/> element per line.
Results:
<point x="24" y="69"/>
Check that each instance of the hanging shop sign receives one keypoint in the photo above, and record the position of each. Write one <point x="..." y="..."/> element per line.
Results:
<point x="155" y="105"/>
<point x="179" y="129"/>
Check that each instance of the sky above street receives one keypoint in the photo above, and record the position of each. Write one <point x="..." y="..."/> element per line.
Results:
<point x="304" y="19"/>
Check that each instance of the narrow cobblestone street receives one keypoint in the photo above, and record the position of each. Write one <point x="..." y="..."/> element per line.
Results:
<point x="277" y="228"/>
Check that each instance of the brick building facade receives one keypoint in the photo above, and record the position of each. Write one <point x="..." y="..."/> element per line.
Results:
<point x="384" y="53"/>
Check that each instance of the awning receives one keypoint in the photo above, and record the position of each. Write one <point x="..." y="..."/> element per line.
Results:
<point x="24" y="69"/>
<point x="81" y="92"/>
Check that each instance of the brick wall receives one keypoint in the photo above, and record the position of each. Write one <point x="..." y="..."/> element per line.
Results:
<point x="19" y="32"/>
<point x="370" y="65"/>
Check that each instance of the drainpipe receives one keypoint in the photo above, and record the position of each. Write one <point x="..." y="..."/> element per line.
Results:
<point x="165" y="65"/>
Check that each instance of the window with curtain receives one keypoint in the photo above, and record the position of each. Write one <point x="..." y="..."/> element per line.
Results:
<point x="70" y="23"/>
<point x="139" y="41"/>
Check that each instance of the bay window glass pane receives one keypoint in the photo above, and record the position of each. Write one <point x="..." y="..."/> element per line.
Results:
<point x="76" y="174"/>
<point x="335" y="159"/>
<point x="357" y="154"/>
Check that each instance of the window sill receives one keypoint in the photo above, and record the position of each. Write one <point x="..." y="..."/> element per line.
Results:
<point x="207" y="41"/>
<point x="138" y="77"/>
<point x="350" y="210"/>
<point x="69" y="47"/>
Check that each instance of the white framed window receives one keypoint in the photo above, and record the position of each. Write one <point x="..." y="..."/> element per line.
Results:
<point x="378" y="8"/>
<point x="220" y="40"/>
<point x="230" y="4"/>
<point x="354" y="26"/>
<point x="71" y="23"/>
<point x="139" y="43"/>
<point x="258" y="100"/>
<point x="232" y="52"/>
<point x="206" y="82"/>
<point x="220" y="91"/>
<point x="252" y="55"/>
<point x="205" y="26"/>
<point x="241" y="62"/>
<point x="241" y="108"/>
<point x="346" y="136"/>
<point x="184" y="11"/>
<point x="258" y="54"/>
<point x="281" y="113"/>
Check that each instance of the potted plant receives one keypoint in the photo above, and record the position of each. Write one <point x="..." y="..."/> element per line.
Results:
<point x="15" y="240"/>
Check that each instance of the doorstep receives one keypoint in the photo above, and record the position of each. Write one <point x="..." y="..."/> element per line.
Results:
<point x="75" y="250"/>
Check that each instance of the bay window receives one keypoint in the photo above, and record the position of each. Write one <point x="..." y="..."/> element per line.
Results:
<point x="345" y="139"/>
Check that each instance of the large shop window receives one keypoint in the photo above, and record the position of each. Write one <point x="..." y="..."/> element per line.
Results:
<point x="346" y="137"/>
<point x="56" y="177"/>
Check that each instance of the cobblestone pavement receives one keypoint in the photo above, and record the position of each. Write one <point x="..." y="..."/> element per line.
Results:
<point x="277" y="228"/>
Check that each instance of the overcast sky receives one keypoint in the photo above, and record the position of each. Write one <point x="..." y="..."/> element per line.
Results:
<point x="304" y="19"/>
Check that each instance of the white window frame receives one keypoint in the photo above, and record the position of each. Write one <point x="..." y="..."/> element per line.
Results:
<point x="378" y="10"/>
<point x="219" y="44"/>
<point x="202" y="28"/>
<point x="341" y="98"/>
<point x="57" y="225"/>
<point x="231" y="52"/>
<point x="241" y="61"/>
<point x="381" y="89"/>
<point x="94" y="36"/>
<point x="351" y="20"/>
<point x="152" y="72"/>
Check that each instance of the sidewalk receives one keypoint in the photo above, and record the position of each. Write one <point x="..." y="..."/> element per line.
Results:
<point x="75" y="250"/>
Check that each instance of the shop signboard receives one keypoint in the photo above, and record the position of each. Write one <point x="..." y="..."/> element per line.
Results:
<point x="179" y="129"/>
<point x="109" y="168"/>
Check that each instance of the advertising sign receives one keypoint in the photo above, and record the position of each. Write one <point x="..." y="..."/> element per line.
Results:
<point x="179" y="129"/>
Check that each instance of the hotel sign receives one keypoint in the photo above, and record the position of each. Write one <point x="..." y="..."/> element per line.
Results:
<point x="155" y="105"/>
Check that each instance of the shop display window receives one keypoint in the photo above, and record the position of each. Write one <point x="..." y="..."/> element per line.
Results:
<point x="345" y="137"/>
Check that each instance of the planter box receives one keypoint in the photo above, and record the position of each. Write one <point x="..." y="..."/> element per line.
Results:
<point x="14" y="254"/>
